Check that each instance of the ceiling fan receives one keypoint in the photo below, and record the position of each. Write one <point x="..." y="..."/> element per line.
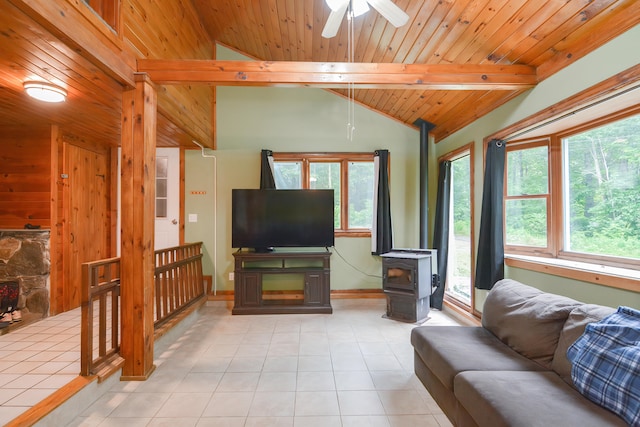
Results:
<point x="386" y="8"/>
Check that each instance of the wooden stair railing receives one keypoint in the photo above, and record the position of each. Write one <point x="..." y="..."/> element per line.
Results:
<point x="178" y="284"/>
<point x="178" y="279"/>
<point x="100" y="309"/>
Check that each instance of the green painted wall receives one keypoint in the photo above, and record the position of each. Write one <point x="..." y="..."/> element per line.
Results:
<point x="296" y="119"/>
<point x="616" y="56"/>
<point x="287" y="119"/>
<point x="200" y="178"/>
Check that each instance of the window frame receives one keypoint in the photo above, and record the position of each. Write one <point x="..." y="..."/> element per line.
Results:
<point x="343" y="159"/>
<point x="555" y="209"/>
<point x="466" y="150"/>
<point x="158" y="178"/>
<point x="550" y="247"/>
<point x="107" y="10"/>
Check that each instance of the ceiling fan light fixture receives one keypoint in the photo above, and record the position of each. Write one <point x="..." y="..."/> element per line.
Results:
<point x="44" y="91"/>
<point x="359" y="7"/>
<point x="352" y="8"/>
<point x="335" y="5"/>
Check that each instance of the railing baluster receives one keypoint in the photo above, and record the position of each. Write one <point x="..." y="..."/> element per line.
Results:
<point x="178" y="283"/>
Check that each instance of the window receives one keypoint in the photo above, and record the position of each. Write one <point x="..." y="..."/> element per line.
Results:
<point x="527" y="194"/>
<point x="350" y="175"/>
<point x="460" y="256"/>
<point x="108" y="10"/>
<point x="576" y="194"/>
<point x="162" y="169"/>
<point x="601" y="187"/>
<point x="361" y="182"/>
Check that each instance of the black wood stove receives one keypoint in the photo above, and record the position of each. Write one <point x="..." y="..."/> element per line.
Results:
<point x="408" y="277"/>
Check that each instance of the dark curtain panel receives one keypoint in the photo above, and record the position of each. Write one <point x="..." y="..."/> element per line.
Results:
<point x="490" y="260"/>
<point x="441" y="230"/>
<point x="266" y="174"/>
<point x="381" y="241"/>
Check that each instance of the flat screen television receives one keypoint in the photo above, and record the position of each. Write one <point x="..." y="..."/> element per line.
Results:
<point x="267" y="219"/>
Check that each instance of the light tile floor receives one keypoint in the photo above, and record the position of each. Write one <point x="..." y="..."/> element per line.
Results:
<point x="349" y="368"/>
<point x="36" y="360"/>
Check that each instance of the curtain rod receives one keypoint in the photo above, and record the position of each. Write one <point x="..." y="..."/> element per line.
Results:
<point x="571" y="113"/>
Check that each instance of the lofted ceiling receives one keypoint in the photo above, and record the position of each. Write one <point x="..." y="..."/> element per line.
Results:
<point x="545" y="35"/>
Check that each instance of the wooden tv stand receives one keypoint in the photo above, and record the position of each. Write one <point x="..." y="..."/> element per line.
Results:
<point x="250" y="267"/>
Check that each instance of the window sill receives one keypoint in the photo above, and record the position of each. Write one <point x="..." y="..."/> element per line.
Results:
<point x="462" y="311"/>
<point x="462" y="315"/>
<point x="352" y="233"/>
<point x="620" y="278"/>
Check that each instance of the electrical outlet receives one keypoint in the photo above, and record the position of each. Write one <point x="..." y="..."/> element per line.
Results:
<point x="231" y="276"/>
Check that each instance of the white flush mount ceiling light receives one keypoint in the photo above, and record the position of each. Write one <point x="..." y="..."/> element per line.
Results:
<point x="386" y="8"/>
<point x="44" y="91"/>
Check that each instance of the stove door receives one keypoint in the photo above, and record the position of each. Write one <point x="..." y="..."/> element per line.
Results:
<point x="399" y="274"/>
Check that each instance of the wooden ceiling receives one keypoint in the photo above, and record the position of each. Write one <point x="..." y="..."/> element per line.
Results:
<point x="29" y="52"/>
<point x="543" y="35"/>
<point x="547" y="35"/>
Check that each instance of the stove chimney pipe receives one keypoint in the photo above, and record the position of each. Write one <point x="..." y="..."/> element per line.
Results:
<point x="425" y="127"/>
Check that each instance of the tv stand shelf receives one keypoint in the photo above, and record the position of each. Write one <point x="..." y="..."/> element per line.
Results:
<point x="250" y="267"/>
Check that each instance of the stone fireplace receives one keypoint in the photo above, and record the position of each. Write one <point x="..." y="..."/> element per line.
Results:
<point x="24" y="257"/>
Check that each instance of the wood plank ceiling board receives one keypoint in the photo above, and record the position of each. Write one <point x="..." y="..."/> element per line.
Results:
<point x="167" y="32"/>
<point x="32" y="53"/>
<point x="506" y="35"/>
<point x="548" y="35"/>
<point x="545" y="36"/>
<point x="585" y="38"/>
<point x="34" y="47"/>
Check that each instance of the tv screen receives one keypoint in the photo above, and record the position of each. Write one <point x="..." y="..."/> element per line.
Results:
<point x="264" y="219"/>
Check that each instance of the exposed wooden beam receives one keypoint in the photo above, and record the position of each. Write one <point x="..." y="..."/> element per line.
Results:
<point x="77" y="26"/>
<point x="336" y="75"/>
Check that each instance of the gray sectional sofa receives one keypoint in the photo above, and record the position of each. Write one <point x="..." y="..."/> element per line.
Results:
<point x="512" y="370"/>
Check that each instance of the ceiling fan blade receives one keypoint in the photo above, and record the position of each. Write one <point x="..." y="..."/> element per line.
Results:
<point x="333" y="22"/>
<point x="390" y="11"/>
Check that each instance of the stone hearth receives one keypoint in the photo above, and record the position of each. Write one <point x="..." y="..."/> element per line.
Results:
<point x="24" y="257"/>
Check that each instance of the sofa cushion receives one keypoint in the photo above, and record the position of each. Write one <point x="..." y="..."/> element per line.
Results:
<point x="578" y="319"/>
<point x="501" y="399"/>
<point x="449" y="350"/>
<point x="527" y="319"/>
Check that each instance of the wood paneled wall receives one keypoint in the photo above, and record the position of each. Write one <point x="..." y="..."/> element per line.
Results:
<point x="25" y="187"/>
<point x="172" y="29"/>
<point x="63" y="40"/>
<point x="66" y="42"/>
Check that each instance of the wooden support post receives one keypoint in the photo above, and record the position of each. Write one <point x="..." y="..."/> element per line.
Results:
<point x="139" y="114"/>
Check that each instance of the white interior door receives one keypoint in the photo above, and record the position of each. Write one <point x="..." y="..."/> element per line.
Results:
<point x="167" y="198"/>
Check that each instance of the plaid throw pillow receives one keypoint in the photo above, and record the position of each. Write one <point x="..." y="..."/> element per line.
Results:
<point x="606" y="363"/>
